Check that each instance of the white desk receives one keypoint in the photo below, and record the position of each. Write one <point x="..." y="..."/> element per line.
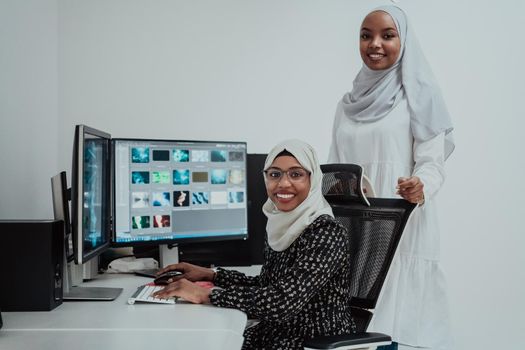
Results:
<point x="116" y="325"/>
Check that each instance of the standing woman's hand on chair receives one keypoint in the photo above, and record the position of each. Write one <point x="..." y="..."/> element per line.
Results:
<point x="411" y="189"/>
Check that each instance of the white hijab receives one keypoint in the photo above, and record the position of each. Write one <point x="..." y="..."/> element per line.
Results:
<point x="376" y="93"/>
<point x="283" y="228"/>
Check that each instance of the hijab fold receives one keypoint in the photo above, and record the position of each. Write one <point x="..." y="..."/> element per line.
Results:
<point x="284" y="228"/>
<point x="377" y="92"/>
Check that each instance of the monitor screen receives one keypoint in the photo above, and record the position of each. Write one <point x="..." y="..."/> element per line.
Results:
<point x="178" y="191"/>
<point x="90" y="197"/>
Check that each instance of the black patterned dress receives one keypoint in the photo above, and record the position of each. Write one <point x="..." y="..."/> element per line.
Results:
<point x="300" y="293"/>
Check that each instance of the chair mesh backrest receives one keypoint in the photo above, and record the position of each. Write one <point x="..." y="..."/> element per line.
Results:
<point x="374" y="233"/>
<point x="343" y="182"/>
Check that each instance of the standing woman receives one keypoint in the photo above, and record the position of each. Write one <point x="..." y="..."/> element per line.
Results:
<point x="395" y="124"/>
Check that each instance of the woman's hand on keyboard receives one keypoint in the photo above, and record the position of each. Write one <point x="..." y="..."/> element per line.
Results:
<point x="190" y="272"/>
<point x="186" y="290"/>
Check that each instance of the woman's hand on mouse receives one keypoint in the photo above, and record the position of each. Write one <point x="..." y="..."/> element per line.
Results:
<point x="190" y="272"/>
<point x="186" y="290"/>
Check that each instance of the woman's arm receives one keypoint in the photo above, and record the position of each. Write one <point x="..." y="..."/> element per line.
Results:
<point x="227" y="278"/>
<point x="429" y="158"/>
<point x="189" y="290"/>
<point x="323" y="250"/>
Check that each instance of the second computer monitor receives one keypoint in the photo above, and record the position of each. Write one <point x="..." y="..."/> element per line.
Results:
<point x="178" y="191"/>
<point x="90" y="193"/>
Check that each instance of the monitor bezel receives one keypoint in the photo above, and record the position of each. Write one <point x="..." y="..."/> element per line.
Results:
<point x="77" y="195"/>
<point x="185" y="240"/>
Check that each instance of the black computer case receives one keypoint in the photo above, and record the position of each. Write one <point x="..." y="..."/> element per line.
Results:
<point x="31" y="259"/>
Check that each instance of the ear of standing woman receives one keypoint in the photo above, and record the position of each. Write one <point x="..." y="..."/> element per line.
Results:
<point x="303" y="289"/>
<point x="396" y="125"/>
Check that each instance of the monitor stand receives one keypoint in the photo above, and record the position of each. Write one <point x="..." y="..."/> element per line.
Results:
<point x="91" y="294"/>
<point x="61" y="212"/>
<point x="76" y="293"/>
<point x="168" y="254"/>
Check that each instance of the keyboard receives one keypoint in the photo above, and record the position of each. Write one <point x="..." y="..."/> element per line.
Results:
<point x="143" y="295"/>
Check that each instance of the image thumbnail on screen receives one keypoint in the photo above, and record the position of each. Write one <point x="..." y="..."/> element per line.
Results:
<point x="140" y="177"/>
<point x="219" y="155"/>
<point x="161" y="221"/>
<point x="140" y="155"/>
<point x="200" y="156"/>
<point x="219" y="176"/>
<point x="160" y="199"/>
<point x="161" y="155"/>
<point x="181" y="198"/>
<point x="139" y="199"/>
<point x="181" y="177"/>
<point x="200" y="198"/>
<point x="236" y="197"/>
<point x="160" y="177"/>
<point x="181" y="155"/>
<point x="140" y="222"/>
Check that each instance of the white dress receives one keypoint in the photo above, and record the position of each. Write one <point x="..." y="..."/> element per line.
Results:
<point x="413" y="306"/>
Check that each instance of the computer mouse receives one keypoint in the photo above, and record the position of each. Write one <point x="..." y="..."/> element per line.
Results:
<point x="163" y="278"/>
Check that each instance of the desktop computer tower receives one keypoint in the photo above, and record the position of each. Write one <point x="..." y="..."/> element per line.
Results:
<point x="31" y="264"/>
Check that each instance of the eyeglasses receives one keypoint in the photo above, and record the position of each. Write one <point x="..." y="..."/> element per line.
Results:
<point x="295" y="175"/>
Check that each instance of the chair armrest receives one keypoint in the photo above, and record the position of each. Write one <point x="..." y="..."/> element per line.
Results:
<point x="347" y="341"/>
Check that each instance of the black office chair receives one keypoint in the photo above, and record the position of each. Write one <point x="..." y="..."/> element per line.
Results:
<point x="374" y="226"/>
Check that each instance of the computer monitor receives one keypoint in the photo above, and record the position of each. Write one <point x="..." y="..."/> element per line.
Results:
<point x="90" y="193"/>
<point x="149" y="192"/>
<point x="171" y="192"/>
<point x="162" y="191"/>
<point x="61" y="198"/>
<point x="90" y="208"/>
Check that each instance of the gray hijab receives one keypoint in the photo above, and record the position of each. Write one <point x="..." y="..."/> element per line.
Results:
<point x="284" y="228"/>
<point x="376" y="93"/>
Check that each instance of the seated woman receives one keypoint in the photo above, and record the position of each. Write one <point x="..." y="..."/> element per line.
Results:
<point x="303" y="288"/>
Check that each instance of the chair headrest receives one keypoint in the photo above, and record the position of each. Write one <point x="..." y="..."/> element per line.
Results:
<point x="344" y="182"/>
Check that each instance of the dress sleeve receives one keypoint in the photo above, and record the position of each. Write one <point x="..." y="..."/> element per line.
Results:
<point x="429" y="158"/>
<point x="227" y="278"/>
<point x="321" y="253"/>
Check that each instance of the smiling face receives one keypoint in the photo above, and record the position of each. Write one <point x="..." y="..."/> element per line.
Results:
<point x="379" y="42"/>
<point x="293" y="186"/>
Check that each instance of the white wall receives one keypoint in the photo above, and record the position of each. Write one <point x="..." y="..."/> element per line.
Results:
<point x="28" y="107"/>
<point x="262" y="71"/>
